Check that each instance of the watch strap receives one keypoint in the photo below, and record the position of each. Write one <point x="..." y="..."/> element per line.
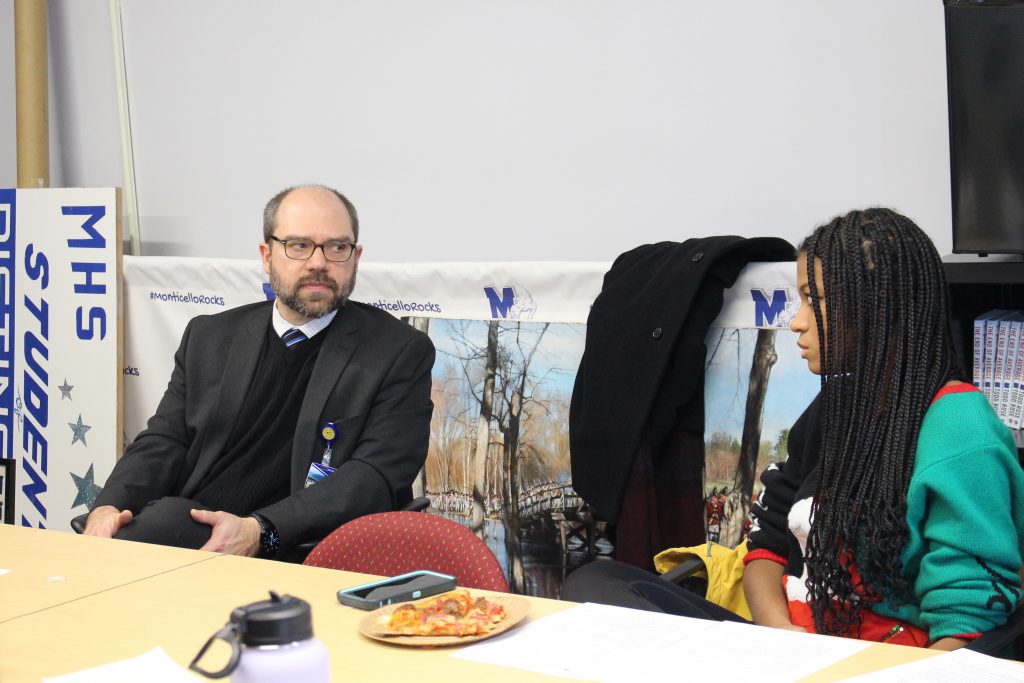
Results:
<point x="270" y="540"/>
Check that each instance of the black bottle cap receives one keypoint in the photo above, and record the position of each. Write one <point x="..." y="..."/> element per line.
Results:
<point x="280" y="620"/>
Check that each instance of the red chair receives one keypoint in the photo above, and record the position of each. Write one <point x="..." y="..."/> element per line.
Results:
<point x="390" y="543"/>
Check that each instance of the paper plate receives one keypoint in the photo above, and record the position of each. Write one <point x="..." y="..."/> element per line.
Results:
<point x="372" y="625"/>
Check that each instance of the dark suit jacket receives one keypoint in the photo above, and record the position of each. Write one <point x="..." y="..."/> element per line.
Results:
<point x="371" y="379"/>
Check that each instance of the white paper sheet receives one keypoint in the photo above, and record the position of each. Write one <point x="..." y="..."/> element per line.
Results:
<point x="734" y="651"/>
<point x="154" y="666"/>
<point x="959" y="666"/>
<point x="617" y="645"/>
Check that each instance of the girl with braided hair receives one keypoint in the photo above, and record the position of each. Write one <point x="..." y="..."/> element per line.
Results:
<point x="908" y="508"/>
<point x="899" y="514"/>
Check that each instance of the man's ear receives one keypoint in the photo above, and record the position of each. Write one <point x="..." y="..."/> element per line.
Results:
<point x="265" y="257"/>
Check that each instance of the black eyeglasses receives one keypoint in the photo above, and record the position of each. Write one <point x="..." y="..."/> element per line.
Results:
<point x="301" y="250"/>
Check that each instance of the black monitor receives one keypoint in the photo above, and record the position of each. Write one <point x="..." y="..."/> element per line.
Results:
<point x="985" y="77"/>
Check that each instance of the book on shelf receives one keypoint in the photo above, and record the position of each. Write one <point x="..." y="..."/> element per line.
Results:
<point x="1006" y="348"/>
<point x="979" y="351"/>
<point x="989" y="334"/>
<point x="1015" y="407"/>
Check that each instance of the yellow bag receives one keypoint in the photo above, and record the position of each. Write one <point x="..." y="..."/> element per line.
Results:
<point x="723" y="570"/>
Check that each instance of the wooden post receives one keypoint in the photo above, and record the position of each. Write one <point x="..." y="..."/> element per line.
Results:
<point x="31" y="92"/>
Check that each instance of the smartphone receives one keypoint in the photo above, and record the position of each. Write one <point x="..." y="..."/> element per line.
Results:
<point x="419" y="584"/>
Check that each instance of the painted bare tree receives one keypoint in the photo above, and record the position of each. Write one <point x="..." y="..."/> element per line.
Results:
<point x="750" y="443"/>
<point x="499" y="378"/>
<point x="448" y="431"/>
<point x="478" y="366"/>
<point x="516" y="393"/>
<point x="483" y="430"/>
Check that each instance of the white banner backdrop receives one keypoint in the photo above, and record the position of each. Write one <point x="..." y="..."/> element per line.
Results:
<point x="161" y="294"/>
<point x="60" y="362"/>
<point x="59" y="371"/>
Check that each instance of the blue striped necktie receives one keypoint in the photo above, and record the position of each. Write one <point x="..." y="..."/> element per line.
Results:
<point x="293" y="337"/>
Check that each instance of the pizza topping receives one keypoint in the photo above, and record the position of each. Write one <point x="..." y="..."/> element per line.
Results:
<point x="451" y="614"/>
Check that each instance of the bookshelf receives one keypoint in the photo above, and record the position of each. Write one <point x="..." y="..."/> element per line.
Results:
<point x="978" y="284"/>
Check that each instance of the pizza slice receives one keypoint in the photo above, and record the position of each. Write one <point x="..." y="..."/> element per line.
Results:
<point x="456" y="613"/>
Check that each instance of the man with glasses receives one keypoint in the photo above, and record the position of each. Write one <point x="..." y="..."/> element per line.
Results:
<point x="284" y="419"/>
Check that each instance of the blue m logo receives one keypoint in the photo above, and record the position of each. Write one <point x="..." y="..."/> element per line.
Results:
<point x="514" y="302"/>
<point x="500" y="305"/>
<point x="770" y="310"/>
<point x="268" y="291"/>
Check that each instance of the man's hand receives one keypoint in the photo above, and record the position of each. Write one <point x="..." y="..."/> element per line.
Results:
<point x="105" y="521"/>
<point x="230" y="534"/>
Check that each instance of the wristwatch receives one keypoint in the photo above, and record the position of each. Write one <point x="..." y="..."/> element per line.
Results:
<point x="269" y="538"/>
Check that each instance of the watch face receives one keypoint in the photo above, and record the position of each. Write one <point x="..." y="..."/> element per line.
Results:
<point x="268" y="536"/>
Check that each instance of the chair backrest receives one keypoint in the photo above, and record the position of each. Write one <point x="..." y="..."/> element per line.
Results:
<point x="390" y="543"/>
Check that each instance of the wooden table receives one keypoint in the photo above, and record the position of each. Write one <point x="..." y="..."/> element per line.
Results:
<point x="125" y="604"/>
<point x="49" y="568"/>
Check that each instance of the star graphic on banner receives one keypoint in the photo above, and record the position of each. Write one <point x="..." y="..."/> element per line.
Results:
<point x="65" y="389"/>
<point x="87" y="489"/>
<point x="79" y="431"/>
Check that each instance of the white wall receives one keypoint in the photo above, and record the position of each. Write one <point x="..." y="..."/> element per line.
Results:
<point x="8" y="159"/>
<point x="511" y="129"/>
<point x="85" y="142"/>
<point x="85" y="133"/>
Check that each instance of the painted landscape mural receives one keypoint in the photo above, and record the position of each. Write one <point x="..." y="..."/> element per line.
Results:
<point x="499" y="450"/>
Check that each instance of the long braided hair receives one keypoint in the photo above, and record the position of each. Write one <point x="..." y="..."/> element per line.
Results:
<point x="885" y="351"/>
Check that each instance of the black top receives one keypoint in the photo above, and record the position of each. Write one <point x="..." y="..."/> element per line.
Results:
<point x="784" y="484"/>
<point x="254" y="471"/>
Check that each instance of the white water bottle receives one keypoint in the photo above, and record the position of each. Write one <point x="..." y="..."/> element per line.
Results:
<point x="271" y="641"/>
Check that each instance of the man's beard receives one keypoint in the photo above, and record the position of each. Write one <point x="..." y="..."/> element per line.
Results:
<point x="317" y="304"/>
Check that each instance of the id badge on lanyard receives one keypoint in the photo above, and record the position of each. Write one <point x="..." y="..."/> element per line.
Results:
<point x="319" y="470"/>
